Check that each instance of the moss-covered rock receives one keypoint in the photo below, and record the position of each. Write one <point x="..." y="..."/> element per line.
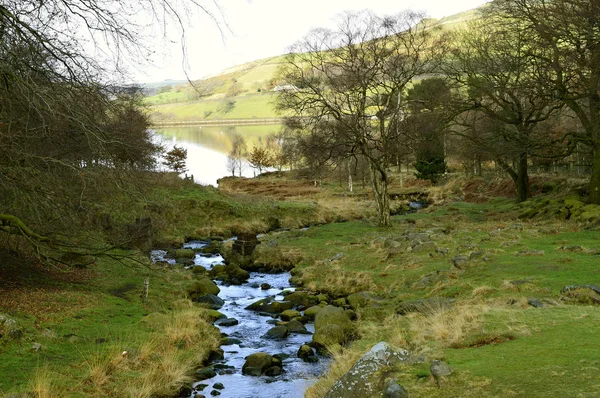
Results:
<point x="312" y="311"/>
<point x="332" y="327"/>
<point x="302" y="298"/>
<point x="358" y="300"/>
<point x="201" y="287"/>
<point x="256" y="364"/>
<point x="288" y="315"/>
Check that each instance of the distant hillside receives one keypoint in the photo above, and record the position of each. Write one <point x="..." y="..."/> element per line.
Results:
<point x="242" y="91"/>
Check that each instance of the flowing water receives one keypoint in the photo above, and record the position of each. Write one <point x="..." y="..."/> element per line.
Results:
<point x="208" y="147"/>
<point x="298" y="375"/>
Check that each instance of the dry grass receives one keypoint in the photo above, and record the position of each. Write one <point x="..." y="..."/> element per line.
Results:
<point x="279" y="257"/>
<point x="40" y="385"/>
<point x="484" y="291"/>
<point x="342" y="361"/>
<point x="160" y="363"/>
<point x="337" y="281"/>
<point x="446" y="326"/>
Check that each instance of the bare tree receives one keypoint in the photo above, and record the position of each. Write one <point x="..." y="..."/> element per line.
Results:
<point x="345" y="86"/>
<point x="238" y="153"/>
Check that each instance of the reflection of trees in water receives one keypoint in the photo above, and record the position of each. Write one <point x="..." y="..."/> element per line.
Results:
<point x="219" y="138"/>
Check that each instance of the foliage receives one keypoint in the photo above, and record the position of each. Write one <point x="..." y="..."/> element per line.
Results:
<point x="430" y="166"/>
<point x="260" y="158"/>
<point x="175" y="159"/>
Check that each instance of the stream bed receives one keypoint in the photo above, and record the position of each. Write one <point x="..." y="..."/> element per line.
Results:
<point x="297" y="376"/>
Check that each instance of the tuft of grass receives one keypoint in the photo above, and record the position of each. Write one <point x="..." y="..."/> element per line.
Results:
<point x="446" y="326"/>
<point x="41" y="383"/>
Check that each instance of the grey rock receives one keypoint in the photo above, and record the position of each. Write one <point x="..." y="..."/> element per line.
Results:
<point x="440" y="369"/>
<point x="362" y="378"/>
<point x="230" y="341"/>
<point x="418" y="237"/>
<point x="442" y="251"/>
<point x="529" y="252"/>
<point x="205" y="373"/>
<point x="535" y="303"/>
<point x="218" y="386"/>
<point x="334" y="258"/>
<point x="476" y="255"/>
<point x="36" y="347"/>
<point x="215" y="302"/>
<point x="394" y="390"/>
<point x="572" y="248"/>
<point x="424" y="247"/>
<point x="594" y="288"/>
<point x="460" y="261"/>
<point x="227" y="322"/>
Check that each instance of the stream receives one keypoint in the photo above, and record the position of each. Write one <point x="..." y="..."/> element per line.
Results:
<point x="297" y="376"/>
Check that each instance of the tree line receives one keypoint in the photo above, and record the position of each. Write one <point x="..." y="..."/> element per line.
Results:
<point x="519" y="85"/>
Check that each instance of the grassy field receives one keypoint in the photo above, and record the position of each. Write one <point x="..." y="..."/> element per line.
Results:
<point x="242" y="107"/>
<point x="498" y="343"/>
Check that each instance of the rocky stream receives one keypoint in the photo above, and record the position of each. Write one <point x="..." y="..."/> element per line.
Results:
<point x="259" y="359"/>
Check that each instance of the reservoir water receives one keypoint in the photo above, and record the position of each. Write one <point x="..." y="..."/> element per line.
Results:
<point x="208" y="147"/>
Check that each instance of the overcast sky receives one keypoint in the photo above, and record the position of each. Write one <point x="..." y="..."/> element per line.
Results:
<point x="264" y="28"/>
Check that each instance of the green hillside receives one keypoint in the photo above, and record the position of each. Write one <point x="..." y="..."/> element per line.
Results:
<point x="240" y="92"/>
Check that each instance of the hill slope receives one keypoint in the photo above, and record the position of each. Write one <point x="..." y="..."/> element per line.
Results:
<point x="240" y="92"/>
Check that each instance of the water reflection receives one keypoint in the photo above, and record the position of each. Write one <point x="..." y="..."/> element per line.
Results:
<point x="208" y="147"/>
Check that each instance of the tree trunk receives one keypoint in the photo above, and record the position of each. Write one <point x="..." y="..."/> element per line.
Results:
<point x="380" y="193"/>
<point x="595" y="178"/>
<point x="522" y="182"/>
<point x="520" y="177"/>
<point x="349" y="176"/>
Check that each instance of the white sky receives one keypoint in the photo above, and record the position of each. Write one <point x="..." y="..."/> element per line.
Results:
<point x="264" y="28"/>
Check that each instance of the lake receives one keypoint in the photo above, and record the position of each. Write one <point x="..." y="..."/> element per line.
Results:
<point x="208" y="147"/>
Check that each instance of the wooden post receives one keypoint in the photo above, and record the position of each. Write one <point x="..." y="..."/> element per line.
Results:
<point x="146" y="286"/>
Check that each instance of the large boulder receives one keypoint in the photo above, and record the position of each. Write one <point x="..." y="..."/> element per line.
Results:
<point x="332" y="326"/>
<point x="269" y="305"/>
<point x="213" y="301"/>
<point x="365" y="377"/>
<point x="302" y="298"/>
<point x="261" y="363"/>
<point x="312" y="311"/>
<point x="229" y="273"/>
<point x="277" y="333"/>
<point x="295" y="326"/>
<point x="203" y="285"/>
